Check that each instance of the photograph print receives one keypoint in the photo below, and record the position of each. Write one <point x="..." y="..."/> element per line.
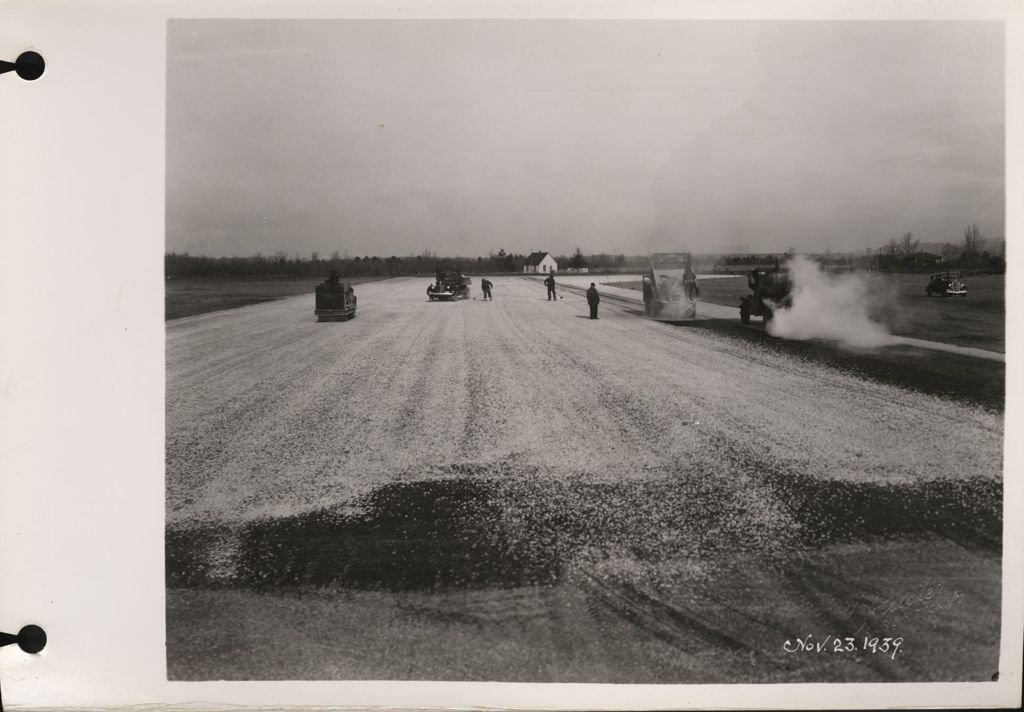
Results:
<point x="400" y="446"/>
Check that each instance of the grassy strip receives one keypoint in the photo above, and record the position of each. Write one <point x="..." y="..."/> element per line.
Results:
<point x="189" y="297"/>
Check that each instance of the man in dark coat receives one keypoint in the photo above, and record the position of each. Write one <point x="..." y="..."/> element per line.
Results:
<point x="690" y="283"/>
<point x="485" y="285"/>
<point x="593" y="299"/>
<point x="550" y="283"/>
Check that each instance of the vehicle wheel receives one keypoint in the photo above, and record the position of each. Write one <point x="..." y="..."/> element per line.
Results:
<point x="768" y="315"/>
<point x="744" y="315"/>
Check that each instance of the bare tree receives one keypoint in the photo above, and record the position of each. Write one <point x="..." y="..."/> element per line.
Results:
<point x="892" y="248"/>
<point x="577" y="260"/>
<point x="908" y="245"/>
<point x="974" y="241"/>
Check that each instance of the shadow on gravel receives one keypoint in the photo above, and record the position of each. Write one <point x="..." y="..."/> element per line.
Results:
<point x="472" y="533"/>
<point x="963" y="378"/>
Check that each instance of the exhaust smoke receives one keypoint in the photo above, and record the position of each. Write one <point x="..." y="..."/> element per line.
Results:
<point x="828" y="306"/>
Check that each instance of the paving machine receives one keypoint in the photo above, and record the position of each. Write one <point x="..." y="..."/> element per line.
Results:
<point x="335" y="300"/>
<point x="769" y="290"/>
<point x="449" y="286"/>
<point x="670" y="288"/>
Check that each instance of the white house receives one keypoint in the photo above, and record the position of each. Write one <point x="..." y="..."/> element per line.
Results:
<point x="540" y="262"/>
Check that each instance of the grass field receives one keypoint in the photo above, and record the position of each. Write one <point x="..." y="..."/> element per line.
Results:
<point x="188" y="297"/>
<point x="899" y="302"/>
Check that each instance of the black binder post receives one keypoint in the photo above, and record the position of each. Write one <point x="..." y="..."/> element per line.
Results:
<point x="30" y="639"/>
<point x="29" y="66"/>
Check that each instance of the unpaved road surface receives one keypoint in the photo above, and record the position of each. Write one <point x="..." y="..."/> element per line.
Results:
<point x="508" y="490"/>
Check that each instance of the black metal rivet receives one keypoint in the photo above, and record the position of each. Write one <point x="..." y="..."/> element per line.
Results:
<point x="32" y="639"/>
<point x="29" y="65"/>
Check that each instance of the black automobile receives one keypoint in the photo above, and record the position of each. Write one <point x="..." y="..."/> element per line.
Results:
<point x="946" y="284"/>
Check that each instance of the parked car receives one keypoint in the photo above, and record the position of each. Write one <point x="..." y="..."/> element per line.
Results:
<point x="946" y="284"/>
<point x="449" y="286"/>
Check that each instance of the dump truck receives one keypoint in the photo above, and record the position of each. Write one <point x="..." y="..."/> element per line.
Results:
<point x="335" y="300"/>
<point x="449" y="286"/>
<point x="769" y="290"/>
<point x="670" y="288"/>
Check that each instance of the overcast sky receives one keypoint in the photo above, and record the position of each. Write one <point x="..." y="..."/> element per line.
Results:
<point x="465" y="136"/>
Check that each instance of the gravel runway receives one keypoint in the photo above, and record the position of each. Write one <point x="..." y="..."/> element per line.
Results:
<point x="508" y="490"/>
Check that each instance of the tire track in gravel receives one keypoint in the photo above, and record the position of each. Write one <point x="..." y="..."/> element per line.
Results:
<point x="675" y="624"/>
<point x="206" y="394"/>
<point x="611" y="440"/>
<point x="277" y="418"/>
<point x="889" y="411"/>
<point x="863" y="390"/>
<point x="523" y="382"/>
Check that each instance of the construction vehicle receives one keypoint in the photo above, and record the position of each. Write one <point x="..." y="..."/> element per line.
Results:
<point x="335" y="301"/>
<point x="946" y="284"/>
<point x="670" y="288"/>
<point x="449" y="286"/>
<point x="769" y="290"/>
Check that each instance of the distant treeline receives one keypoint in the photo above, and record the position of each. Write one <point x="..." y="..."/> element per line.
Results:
<point x="975" y="253"/>
<point x="181" y="265"/>
<point x="875" y="261"/>
<point x="903" y="255"/>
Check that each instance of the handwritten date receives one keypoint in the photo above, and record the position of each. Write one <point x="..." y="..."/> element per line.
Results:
<point x="837" y="644"/>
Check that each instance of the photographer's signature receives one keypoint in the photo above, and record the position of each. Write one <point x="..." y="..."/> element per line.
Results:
<point x="891" y="611"/>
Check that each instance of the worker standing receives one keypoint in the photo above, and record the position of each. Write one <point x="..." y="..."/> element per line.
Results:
<point x="593" y="299"/>
<point x="690" y="283"/>
<point x="485" y="285"/>
<point x="550" y="283"/>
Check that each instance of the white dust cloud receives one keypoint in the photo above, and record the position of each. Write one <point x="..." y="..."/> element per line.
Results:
<point x="677" y="311"/>
<point x="828" y="306"/>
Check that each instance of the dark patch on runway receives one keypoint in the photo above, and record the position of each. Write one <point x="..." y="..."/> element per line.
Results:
<point x="476" y="532"/>
<point x="963" y="378"/>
